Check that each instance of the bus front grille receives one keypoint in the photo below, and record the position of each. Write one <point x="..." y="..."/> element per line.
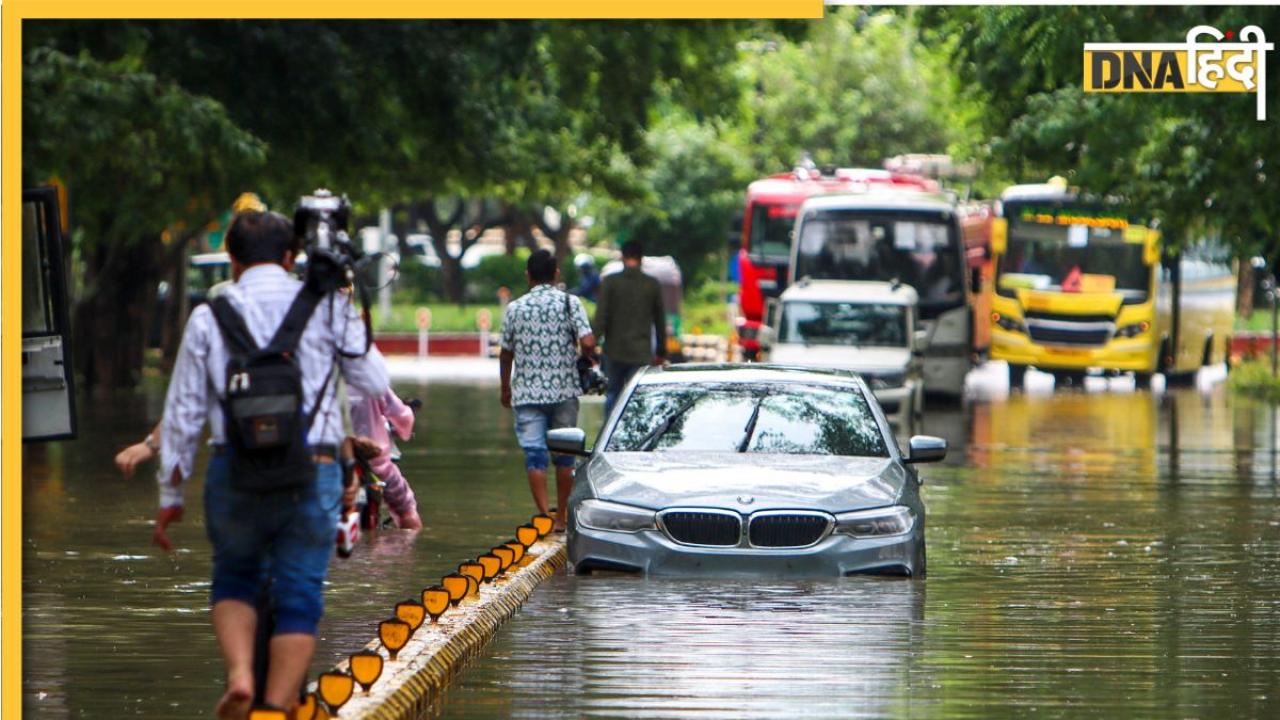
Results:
<point x="1090" y="335"/>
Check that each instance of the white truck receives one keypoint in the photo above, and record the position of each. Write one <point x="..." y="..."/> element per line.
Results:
<point x="868" y="327"/>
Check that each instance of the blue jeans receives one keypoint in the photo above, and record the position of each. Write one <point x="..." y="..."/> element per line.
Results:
<point x="532" y="423"/>
<point x="286" y="537"/>
<point x="619" y="375"/>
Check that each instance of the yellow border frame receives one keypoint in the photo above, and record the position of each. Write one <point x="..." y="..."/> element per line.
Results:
<point x="15" y="11"/>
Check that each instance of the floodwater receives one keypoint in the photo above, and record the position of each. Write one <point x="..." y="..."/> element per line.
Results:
<point x="1091" y="554"/>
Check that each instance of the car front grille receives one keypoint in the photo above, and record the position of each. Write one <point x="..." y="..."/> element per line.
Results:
<point x="788" y="529"/>
<point x="1059" y="335"/>
<point x="695" y="527"/>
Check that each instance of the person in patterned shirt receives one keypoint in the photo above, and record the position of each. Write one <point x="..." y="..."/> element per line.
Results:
<point x="541" y="333"/>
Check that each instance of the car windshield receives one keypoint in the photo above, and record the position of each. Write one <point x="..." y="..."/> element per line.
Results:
<point x="843" y="323"/>
<point x="1072" y="259"/>
<point x="777" y="418"/>
<point x="919" y="249"/>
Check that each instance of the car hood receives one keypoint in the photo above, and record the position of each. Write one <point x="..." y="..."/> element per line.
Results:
<point x="868" y="360"/>
<point x="746" y="482"/>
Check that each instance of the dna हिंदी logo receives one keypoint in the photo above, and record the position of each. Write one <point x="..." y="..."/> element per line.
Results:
<point x="1221" y="65"/>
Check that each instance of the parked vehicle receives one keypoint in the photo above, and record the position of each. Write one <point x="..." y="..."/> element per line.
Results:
<point x="48" y="383"/>
<point x="747" y="469"/>
<point x="865" y="327"/>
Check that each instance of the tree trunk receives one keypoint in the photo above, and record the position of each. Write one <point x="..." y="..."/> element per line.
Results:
<point x="1244" y="289"/>
<point x="112" y="322"/>
<point x="178" y="308"/>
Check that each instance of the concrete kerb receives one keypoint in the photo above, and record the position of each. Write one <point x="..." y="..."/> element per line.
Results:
<point x="436" y="652"/>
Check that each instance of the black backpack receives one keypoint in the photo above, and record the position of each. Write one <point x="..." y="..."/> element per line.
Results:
<point x="266" y="424"/>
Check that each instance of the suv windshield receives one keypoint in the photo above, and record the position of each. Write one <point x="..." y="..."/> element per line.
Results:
<point x="843" y="323"/>
<point x="920" y="249"/>
<point x="787" y="418"/>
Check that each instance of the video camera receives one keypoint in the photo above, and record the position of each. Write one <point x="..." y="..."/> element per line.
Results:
<point x="321" y="220"/>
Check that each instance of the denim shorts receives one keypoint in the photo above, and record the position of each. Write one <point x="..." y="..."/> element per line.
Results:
<point x="532" y="423"/>
<point x="286" y="537"/>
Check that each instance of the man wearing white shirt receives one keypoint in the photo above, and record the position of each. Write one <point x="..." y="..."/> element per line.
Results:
<point x="285" y="536"/>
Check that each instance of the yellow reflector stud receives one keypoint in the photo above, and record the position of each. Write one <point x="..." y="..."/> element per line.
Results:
<point x="335" y="689"/>
<point x="527" y="535"/>
<point x="394" y="634"/>
<point x="472" y="569"/>
<point x="436" y="600"/>
<point x="309" y="708"/>
<point x="264" y="713"/>
<point x="366" y="668"/>
<point x="457" y="586"/>
<point x="543" y="523"/>
<point x="411" y="612"/>
<point x="516" y="548"/>
<point x="473" y="586"/>
<point x="505" y="554"/>
<point x="492" y="566"/>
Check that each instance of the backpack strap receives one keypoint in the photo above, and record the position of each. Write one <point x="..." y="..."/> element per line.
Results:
<point x="289" y="334"/>
<point x="234" y="331"/>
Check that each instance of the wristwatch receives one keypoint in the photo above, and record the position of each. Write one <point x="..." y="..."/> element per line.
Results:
<point x="150" y="442"/>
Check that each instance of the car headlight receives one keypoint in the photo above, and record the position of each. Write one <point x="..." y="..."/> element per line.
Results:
<point x="1133" y="330"/>
<point x="880" y="522"/>
<point x="885" y="381"/>
<point x="1008" y="323"/>
<point x="603" y="515"/>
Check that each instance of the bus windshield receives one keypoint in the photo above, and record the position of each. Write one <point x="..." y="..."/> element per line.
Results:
<point x="919" y="249"/>
<point x="842" y="323"/>
<point x="1072" y="259"/>
<point x="771" y="231"/>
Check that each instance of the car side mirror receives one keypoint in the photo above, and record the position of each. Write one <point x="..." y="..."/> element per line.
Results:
<point x="569" y="441"/>
<point x="925" y="448"/>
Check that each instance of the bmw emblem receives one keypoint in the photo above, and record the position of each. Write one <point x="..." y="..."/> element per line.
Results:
<point x="746" y="499"/>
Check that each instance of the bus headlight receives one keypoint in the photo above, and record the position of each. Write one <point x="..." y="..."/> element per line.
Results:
<point x="602" y="515"/>
<point x="1008" y="323"/>
<point x="1133" y="330"/>
<point x="880" y="522"/>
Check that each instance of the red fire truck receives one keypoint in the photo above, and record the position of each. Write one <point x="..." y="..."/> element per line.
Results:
<point x="772" y="204"/>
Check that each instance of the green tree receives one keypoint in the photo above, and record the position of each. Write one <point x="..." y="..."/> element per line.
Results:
<point x="146" y="165"/>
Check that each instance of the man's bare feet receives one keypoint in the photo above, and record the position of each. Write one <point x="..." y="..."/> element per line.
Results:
<point x="238" y="698"/>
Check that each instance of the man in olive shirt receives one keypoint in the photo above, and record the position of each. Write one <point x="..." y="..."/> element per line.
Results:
<point x="631" y="320"/>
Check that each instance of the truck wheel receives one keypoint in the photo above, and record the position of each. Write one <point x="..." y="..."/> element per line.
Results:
<point x="1142" y="380"/>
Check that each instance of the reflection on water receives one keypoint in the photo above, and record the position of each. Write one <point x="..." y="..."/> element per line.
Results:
<point x="1102" y="554"/>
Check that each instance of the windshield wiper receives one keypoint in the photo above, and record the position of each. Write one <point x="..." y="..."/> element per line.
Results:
<point x="656" y="434"/>
<point x="751" y="425"/>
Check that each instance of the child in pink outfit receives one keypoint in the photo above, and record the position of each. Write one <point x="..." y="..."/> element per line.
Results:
<point x="369" y="418"/>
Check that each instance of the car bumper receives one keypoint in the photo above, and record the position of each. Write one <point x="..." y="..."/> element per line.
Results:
<point x="651" y="551"/>
<point x="1118" y="354"/>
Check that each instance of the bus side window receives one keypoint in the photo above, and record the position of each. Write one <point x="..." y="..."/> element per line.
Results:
<point x="48" y="390"/>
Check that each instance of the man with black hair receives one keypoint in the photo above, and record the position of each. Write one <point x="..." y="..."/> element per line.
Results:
<point x="631" y="321"/>
<point x="283" y="537"/>
<point x="541" y="332"/>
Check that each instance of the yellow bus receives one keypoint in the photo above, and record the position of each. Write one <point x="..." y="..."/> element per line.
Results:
<point x="1079" y="288"/>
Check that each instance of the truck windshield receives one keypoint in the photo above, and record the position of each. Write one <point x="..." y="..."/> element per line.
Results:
<point x="1062" y="259"/>
<point x="843" y="323"/>
<point x="919" y="249"/>
<point x="770" y="237"/>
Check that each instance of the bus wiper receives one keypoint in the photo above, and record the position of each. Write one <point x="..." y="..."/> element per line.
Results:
<point x="751" y="425"/>
<point x="647" y="443"/>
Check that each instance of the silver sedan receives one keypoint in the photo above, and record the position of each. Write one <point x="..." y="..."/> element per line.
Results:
<point x="747" y="469"/>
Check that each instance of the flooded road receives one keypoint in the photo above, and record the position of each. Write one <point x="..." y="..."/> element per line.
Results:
<point x="1102" y="554"/>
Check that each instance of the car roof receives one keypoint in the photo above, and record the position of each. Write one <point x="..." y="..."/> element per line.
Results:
<point x="746" y="373"/>
<point x="859" y="291"/>
<point x="896" y="201"/>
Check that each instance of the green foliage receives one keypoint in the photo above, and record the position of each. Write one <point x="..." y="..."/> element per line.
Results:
<point x="417" y="283"/>
<point x="1254" y="379"/>
<point x="1193" y="162"/>
<point x="137" y="154"/>
<point x="496" y="271"/>
<point x="860" y="88"/>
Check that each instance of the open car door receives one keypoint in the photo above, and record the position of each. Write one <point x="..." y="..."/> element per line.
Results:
<point x="48" y="392"/>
